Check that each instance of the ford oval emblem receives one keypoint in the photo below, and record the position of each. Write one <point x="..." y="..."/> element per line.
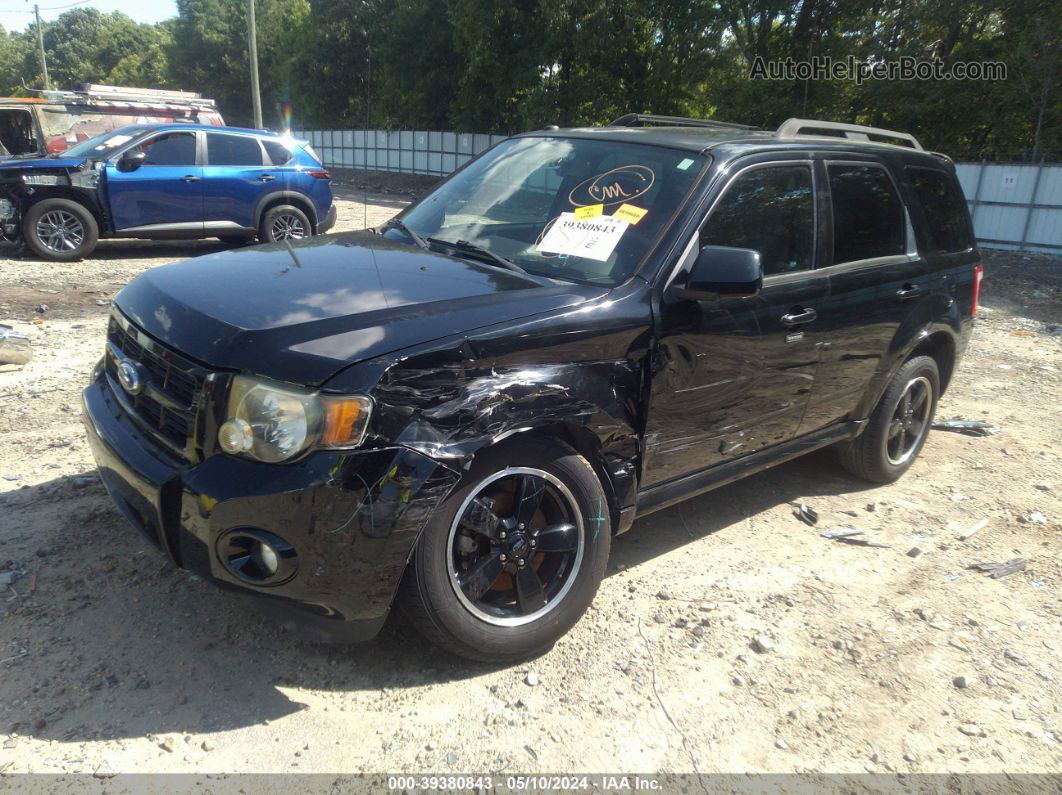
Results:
<point x="129" y="377"/>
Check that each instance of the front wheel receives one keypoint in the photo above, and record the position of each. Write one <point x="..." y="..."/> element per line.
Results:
<point x="60" y="230"/>
<point x="513" y="558"/>
<point x="898" y="427"/>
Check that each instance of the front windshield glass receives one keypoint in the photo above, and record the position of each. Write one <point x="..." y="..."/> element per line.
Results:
<point x="570" y="208"/>
<point x="102" y="145"/>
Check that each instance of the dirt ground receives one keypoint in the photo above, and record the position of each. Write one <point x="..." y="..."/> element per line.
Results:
<point x="868" y="659"/>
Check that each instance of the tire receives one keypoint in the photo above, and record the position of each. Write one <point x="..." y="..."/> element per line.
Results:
<point x="235" y="240"/>
<point x="60" y="229"/>
<point x="284" y="222"/>
<point x="895" y="433"/>
<point x="504" y="624"/>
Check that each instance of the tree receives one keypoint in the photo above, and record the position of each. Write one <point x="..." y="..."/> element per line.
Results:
<point x="13" y="49"/>
<point x="509" y="65"/>
<point x="208" y="52"/>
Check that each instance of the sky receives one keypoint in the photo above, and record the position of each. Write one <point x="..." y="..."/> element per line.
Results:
<point x="17" y="14"/>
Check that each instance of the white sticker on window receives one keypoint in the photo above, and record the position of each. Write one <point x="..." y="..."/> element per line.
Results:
<point x="684" y="164"/>
<point x="592" y="239"/>
<point x="116" y="140"/>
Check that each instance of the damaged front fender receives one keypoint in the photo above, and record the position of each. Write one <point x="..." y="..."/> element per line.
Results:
<point x="547" y="375"/>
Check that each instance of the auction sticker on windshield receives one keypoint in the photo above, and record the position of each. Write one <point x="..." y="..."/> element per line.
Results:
<point x="594" y="239"/>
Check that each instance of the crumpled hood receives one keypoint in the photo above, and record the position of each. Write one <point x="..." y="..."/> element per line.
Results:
<point x="302" y="314"/>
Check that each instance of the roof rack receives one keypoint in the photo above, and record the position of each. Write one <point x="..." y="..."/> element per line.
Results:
<point x="792" y="128"/>
<point x="641" y="119"/>
<point x="103" y="94"/>
<point x="128" y="94"/>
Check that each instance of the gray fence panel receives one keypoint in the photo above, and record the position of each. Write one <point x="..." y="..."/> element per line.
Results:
<point x="1013" y="205"/>
<point x="431" y="152"/>
<point x="1016" y="206"/>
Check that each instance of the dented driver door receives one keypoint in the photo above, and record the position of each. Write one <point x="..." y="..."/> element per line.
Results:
<point x="734" y="375"/>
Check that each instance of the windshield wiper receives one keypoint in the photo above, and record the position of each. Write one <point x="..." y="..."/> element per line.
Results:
<point x="479" y="252"/>
<point x="394" y="223"/>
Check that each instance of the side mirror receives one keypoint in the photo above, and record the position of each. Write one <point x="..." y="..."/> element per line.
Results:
<point x="131" y="160"/>
<point x="722" y="272"/>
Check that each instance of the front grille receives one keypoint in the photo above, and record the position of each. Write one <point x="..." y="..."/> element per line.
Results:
<point x="171" y="385"/>
<point x="179" y="384"/>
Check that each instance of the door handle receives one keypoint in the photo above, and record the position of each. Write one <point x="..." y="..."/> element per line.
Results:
<point x="190" y="178"/>
<point x="799" y="316"/>
<point x="266" y="178"/>
<point x="908" y="292"/>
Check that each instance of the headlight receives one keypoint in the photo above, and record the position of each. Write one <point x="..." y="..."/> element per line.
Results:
<point x="43" y="179"/>
<point x="273" y="423"/>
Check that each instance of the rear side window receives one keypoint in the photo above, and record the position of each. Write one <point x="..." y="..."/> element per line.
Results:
<point x="771" y="210"/>
<point x="278" y="153"/>
<point x="868" y="217"/>
<point x="233" y="150"/>
<point x="945" y="209"/>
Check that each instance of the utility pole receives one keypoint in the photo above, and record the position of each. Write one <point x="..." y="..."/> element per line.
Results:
<point x="40" y="46"/>
<point x="252" y="46"/>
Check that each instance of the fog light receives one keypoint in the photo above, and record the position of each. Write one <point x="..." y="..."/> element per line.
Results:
<point x="257" y="556"/>
<point x="236" y="436"/>
<point x="267" y="558"/>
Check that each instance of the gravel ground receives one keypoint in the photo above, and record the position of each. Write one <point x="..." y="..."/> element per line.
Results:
<point x="727" y="637"/>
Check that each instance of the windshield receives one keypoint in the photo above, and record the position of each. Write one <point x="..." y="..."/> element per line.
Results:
<point x="103" y="145"/>
<point x="570" y="208"/>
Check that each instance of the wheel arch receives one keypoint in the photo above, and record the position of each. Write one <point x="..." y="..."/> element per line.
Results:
<point x="614" y="480"/>
<point x="935" y="340"/>
<point x="89" y="203"/>
<point x="285" y="197"/>
<point x="940" y="346"/>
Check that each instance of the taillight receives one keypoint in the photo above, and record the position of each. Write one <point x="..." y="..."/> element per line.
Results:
<point x="321" y="174"/>
<point x="979" y="274"/>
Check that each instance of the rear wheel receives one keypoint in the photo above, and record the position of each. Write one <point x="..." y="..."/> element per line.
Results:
<point x="513" y="558"/>
<point x="284" y="222"/>
<point x="898" y="427"/>
<point x="60" y="230"/>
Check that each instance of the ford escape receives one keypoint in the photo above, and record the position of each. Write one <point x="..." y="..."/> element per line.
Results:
<point x="456" y="412"/>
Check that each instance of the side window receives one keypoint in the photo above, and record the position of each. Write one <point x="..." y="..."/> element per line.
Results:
<point x="278" y="153"/>
<point x="233" y="150"/>
<point x="868" y="217"/>
<point x="945" y="209"/>
<point x="170" y="149"/>
<point x="771" y="210"/>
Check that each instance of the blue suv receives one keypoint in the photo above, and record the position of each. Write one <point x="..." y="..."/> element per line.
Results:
<point x="166" y="181"/>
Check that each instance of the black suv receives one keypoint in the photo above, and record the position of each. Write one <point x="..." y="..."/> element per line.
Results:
<point x="459" y="410"/>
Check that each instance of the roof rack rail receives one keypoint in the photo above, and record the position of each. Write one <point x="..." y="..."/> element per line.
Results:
<point x="94" y="92"/>
<point x="159" y="93"/>
<point x="792" y="128"/>
<point x="640" y="120"/>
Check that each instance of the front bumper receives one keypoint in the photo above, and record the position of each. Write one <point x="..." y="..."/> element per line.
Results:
<point x="352" y="517"/>
<point x="328" y="221"/>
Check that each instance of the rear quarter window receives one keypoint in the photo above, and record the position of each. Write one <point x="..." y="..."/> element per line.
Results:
<point x="944" y="208"/>
<point x="278" y="153"/>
